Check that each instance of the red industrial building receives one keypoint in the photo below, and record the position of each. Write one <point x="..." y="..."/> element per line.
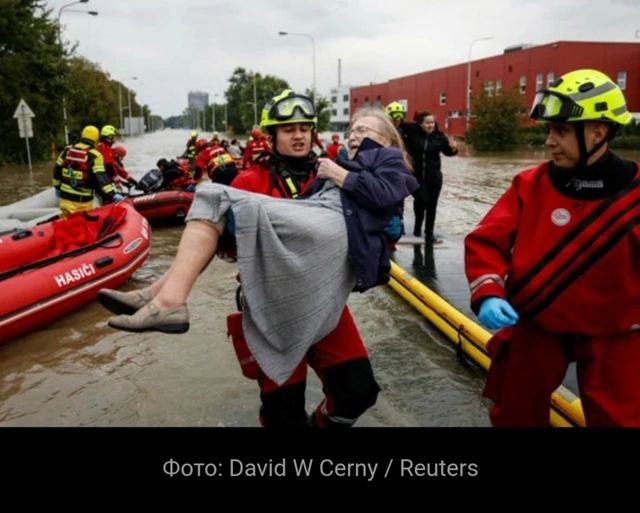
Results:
<point x="527" y="68"/>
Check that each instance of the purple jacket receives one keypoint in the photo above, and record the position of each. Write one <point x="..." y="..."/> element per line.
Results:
<point x="377" y="183"/>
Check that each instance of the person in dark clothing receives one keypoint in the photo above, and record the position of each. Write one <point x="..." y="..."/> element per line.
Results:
<point x="425" y="145"/>
<point x="175" y="177"/>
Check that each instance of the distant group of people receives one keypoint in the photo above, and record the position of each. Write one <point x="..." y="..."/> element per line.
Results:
<point x="552" y="266"/>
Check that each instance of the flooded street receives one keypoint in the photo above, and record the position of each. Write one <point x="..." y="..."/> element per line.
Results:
<point x="79" y="372"/>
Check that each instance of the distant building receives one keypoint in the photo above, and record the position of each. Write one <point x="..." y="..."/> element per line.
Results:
<point x="524" y="68"/>
<point x="198" y="100"/>
<point x="340" y="106"/>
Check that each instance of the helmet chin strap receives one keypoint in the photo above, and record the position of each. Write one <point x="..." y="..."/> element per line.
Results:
<point x="582" y="145"/>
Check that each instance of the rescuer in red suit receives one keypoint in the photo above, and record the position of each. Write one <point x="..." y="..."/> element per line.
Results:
<point x="554" y="265"/>
<point x="340" y="359"/>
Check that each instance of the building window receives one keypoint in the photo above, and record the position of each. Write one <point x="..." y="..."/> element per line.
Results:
<point x="622" y="80"/>
<point x="489" y="87"/>
<point x="539" y="81"/>
<point x="345" y="111"/>
<point x="509" y="68"/>
<point x="334" y="112"/>
<point x="443" y="98"/>
<point x="345" y="98"/>
<point x="498" y="87"/>
<point x="523" y="84"/>
<point x="334" y="99"/>
<point x="550" y="78"/>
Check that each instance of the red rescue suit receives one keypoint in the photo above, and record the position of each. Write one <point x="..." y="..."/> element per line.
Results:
<point x="333" y="149"/>
<point x="569" y="267"/>
<point x="108" y="157"/>
<point x="340" y="359"/>
<point x="253" y="150"/>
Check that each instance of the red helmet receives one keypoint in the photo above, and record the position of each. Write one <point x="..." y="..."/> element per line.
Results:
<point x="119" y="151"/>
<point x="215" y="152"/>
<point x="201" y="144"/>
<point x="256" y="134"/>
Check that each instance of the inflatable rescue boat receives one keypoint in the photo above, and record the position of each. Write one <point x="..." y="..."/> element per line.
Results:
<point x="51" y="269"/>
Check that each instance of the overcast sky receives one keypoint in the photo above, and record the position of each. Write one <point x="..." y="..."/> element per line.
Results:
<point x="174" y="46"/>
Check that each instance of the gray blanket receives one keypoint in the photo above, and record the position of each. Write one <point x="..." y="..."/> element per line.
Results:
<point x="293" y="263"/>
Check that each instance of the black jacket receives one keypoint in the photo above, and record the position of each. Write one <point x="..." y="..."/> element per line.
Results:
<point x="425" y="152"/>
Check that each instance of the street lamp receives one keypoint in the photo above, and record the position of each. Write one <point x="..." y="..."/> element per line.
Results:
<point x="313" y="44"/>
<point x="226" y="120"/>
<point x="129" y="101"/>
<point x="254" y="102"/>
<point x="64" y="100"/>
<point x="469" y="77"/>
<point x="213" y="112"/>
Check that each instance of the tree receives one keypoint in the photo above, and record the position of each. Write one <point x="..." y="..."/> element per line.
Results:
<point x="323" y="108"/>
<point x="239" y="96"/>
<point x="31" y="68"/>
<point x="497" y="122"/>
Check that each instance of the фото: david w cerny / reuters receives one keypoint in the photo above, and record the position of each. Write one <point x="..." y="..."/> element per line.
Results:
<point x="322" y="468"/>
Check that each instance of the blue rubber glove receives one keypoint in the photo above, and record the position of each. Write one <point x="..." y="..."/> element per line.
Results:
<point x="118" y="197"/>
<point x="57" y="192"/>
<point x="496" y="313"/>
<point x="394" y="228"/>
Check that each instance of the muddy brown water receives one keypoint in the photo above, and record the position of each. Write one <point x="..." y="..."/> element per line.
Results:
<point x="78" y="372"/>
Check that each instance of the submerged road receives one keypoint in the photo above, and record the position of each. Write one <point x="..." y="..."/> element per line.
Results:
<point x="78" y="372"/>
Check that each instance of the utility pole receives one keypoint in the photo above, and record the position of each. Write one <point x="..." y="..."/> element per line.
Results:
<point x="255" y="103"/>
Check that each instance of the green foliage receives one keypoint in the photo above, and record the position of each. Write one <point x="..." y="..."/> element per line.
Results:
<point x="31" y="67"/>
<point x="92" y="98"/>
<point x="632" y="128"/>
<point x="35" y="67"/>
<point x="497" y="122"/>
<point x="323" y="107"/>
<point x="626" y="142"/>
<point x="174" y="122"/>
<point x="534" y="135"/>
<point x="239" y="96"/>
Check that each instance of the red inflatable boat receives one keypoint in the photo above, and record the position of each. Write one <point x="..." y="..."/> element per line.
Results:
<point x="168" y="205"/>
<point x="54" y="268"/>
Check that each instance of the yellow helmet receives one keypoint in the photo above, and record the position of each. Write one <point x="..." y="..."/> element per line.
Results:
<point x="194" y="134"/>
<point x="581" y="95"/>
<point x="288" y="107"/>
<point x="90" y="133"/>
<point x="108" y="131"/>
<point x="395" y="110"/>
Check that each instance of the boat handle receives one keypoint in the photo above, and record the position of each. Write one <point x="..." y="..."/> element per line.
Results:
<point x="22" y="234"/>
<point x="103" y="261"/>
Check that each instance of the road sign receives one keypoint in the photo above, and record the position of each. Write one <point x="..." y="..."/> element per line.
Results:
<point x="25" y="127"/>
<point x="24" y="114"/>
<point x="23" y="110"/>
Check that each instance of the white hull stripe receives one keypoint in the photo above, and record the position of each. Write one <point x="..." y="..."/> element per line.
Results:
<point x="74" y="291"/>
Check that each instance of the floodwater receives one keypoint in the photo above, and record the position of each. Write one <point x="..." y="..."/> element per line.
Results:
<point x="79" y="372"/>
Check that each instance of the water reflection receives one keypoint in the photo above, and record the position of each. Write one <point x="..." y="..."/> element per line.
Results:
<point x="424" y="264"/>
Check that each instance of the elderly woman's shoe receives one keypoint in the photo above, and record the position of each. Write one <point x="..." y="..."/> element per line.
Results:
<point x="152" y="318"/>
<point x="124" y="302"/>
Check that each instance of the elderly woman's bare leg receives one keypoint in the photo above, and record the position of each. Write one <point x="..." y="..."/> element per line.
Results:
<point x="167" y="311"/>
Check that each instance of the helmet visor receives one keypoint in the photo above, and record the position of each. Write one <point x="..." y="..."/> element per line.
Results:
<point x="551" y="106"/>
<point x="293" y="107"/>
